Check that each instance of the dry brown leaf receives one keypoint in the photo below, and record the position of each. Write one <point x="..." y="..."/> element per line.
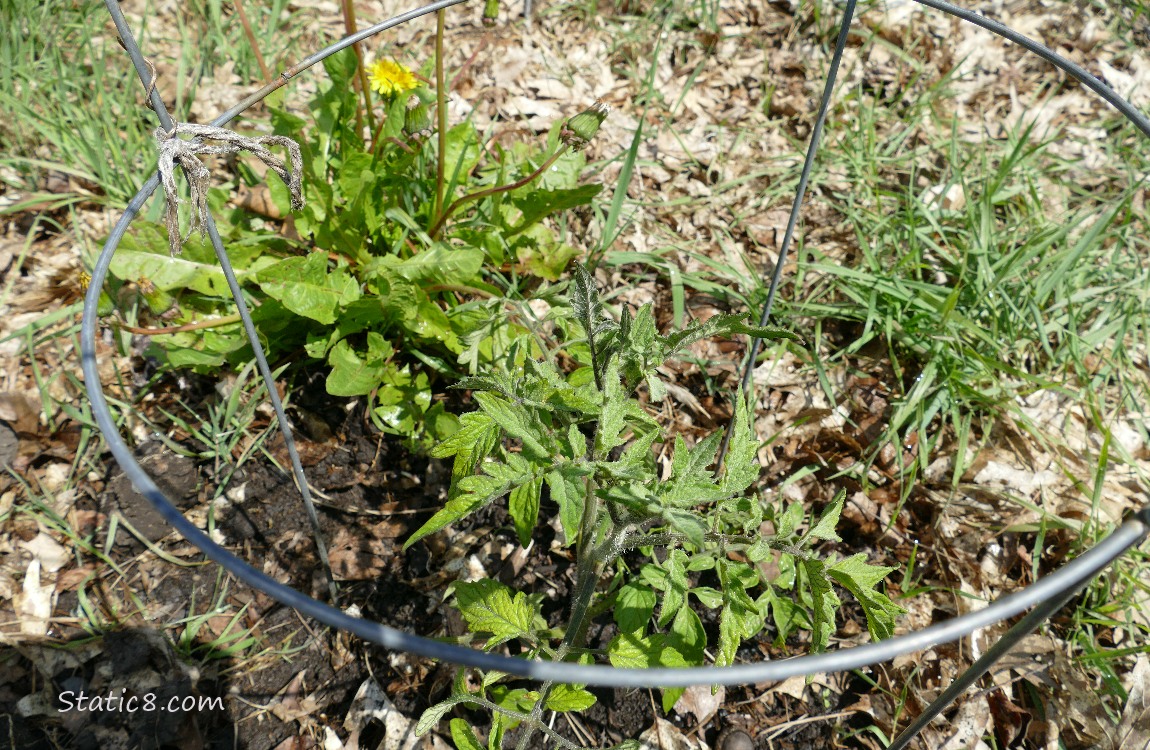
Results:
<point x="666" y="736"/>
<point x="34" y="602"/>
<point x="1133" y="731"/>
<point x="698" y="701"/>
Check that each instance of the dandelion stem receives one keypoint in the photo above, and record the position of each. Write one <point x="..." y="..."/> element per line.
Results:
<point x="441" y="116"/>
<point x="349" y="24"/>
<point x="488" y="192"/>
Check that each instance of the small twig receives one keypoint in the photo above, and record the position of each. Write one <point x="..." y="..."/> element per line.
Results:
<point x="778" y="729"/>
<point x="467" y="64"/>
<point x="264" y="71"/>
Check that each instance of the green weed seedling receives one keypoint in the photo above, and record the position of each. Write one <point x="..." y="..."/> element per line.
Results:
<point x="409" y="262"/>
<point x="588" y="439"/>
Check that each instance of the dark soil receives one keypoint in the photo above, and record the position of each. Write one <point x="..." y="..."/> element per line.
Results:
<point x="374" y="494"/>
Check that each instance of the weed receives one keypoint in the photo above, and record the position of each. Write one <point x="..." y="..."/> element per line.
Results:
<point x="390" y="256"/>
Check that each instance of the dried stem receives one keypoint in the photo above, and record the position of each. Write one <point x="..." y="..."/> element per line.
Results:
<point x="264" y="71"/>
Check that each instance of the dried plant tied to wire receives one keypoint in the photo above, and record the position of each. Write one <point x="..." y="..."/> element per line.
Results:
<point x="175" y="150"/>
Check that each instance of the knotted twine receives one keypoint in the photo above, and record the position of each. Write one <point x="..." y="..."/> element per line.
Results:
<point x="175" y="150"/>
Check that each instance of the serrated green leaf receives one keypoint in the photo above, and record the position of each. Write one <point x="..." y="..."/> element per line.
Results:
<point x="489" y="607"/>
<point x="722" y="325"/>
<point x="613" y="417"/>
<point x="825" y="528"/>
<point x="826" y="603"/>
<point x="691" y="482"/>
<point x="464" y="736"/>
<point x="675" y="591"/>
<point x="567" y="491"/>
<point x="476" y="438"/>
<point x="634" y="606"/>
<point x="788" y="521"/>
<point x="351" y="374"/>
<point x="569" y="698"/>
<point x="687" y="635"/>
<point x="517" y="422"/>
<point x="523" y="504"/>
<point x="475" y="492"/>
<point x="759" y="551"/>
<point x="741" y="468"/>
<point x="709" y="597"/>
<point x="584" y="297"/>
<point x="447" y="265"/>
<point x="168" y="273"/>
<point x="730" y="636"/>
<point x="688" y="523"/>
<point x="540" y="203"/>
<point x="860" y="578"/>
<point x="631" y="650"/>
<point x="432" y="716"/>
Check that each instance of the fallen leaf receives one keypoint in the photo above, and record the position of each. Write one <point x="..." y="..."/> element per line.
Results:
<point x="371" y="703"/>
<point x="34" y="602"/>
<point x="48" y="552"/>
<point x="666" y="736"/>
<point x="698" y="701"/>
<point x="1133" y="731"/>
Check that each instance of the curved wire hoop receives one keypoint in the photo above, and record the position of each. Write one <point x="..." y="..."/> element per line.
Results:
<point x="1056" y="586"/>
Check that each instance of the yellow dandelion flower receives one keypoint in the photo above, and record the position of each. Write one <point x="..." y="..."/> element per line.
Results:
<point x="389" y="78"/>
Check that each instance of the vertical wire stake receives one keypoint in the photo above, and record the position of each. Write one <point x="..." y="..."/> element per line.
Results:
<point x="1027" y="625"/>
<point x="800" y="193"/>
<point x="129" y="43"/>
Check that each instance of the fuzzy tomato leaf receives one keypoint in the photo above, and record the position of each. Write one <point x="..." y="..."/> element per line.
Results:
<point x="634" y="606"/>
<point x="477" y="436"/>
<point x="464" y="736"/>
<point x="517" y="422"/>
<point x="741" y="468"/>
<point x="825" y="528"/>
<point x="860" y="578"/>
<point x="634" y="651"/>
<point x="475" y="492"/>
<point x="490" y="607"/>
<point x="826" y="603"/>
<point x="569" y="698"/>
<point x="567" y="491"/>
<point x="523" y="504"/>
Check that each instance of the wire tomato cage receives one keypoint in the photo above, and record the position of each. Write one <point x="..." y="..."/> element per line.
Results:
<point x="1044" y="597"/>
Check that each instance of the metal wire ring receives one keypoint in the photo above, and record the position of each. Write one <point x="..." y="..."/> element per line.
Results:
<point x="1067" y="578"/>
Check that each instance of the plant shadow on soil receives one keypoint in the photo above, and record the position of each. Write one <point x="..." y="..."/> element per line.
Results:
<point x="374" y="495"/>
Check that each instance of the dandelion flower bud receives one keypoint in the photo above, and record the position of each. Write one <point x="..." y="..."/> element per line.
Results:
<point x="580" y="129"/>
<point x="416" y="120"/>
<point x="490" y="12"/>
